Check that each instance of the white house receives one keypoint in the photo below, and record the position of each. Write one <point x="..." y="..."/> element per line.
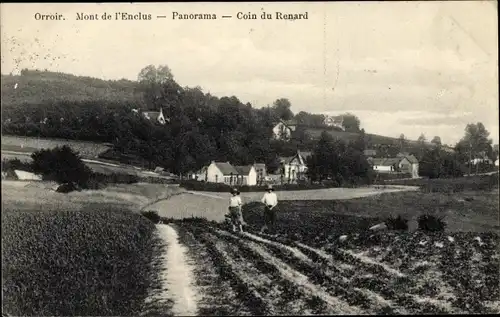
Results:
<point x="221" y="172"/>
<point x="261" y="170"/>
<point x="337" y="122"/>
<point x="247" y="175"/>
<point x="155" y="115"/>
<point x="294" y="167"/>
<point x="284" y="129"/>
<point x="402" y="163"/>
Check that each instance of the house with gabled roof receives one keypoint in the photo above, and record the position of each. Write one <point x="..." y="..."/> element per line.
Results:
<point x="294" y="167"/>
<point x="283" y="129"/>
<point x="221" y="172"/>
<point x="155" y="116"/>
<point x="335" y="121"/>
<point x="247" y="175"/>
<point x="402" y="163"/>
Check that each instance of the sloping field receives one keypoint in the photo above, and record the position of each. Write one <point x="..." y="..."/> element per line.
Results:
<point x="318" y="194"/>
<point x="213" y="205"/>
<point x="30" y="144"/>
<point x="34" y="195"/>
<point x="257" y="274"/>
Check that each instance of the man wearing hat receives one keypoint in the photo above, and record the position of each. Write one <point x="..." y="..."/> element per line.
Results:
<point x="235" y="214"/>
<point x="270" y="200"/>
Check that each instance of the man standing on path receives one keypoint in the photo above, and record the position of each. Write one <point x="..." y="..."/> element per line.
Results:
<point x="235" y="214"/>
<point x="270" y="200"/>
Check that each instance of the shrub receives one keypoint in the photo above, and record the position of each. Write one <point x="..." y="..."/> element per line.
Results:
<point x="62" y="165"/>
<point x="397" y="223"/>
<point x="16" y="164"/>
<point x="221" y="187"/>
<point x="151" y="215"/>
<point x="431" y="223"/>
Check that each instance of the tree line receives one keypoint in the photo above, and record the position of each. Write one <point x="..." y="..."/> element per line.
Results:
<point x="202" y="127"/>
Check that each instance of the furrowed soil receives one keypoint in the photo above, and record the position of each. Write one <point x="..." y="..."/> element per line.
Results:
<point x="255" y="274"/>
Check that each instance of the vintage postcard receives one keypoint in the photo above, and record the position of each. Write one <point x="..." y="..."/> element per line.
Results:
<point x="252" y="158"/>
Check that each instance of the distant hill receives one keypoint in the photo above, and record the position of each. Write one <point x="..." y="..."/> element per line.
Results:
<point x="37" y="87"/>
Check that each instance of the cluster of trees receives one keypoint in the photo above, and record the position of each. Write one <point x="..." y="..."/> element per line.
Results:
<point x="339" y="161"/>
<point x="200" y="128"/>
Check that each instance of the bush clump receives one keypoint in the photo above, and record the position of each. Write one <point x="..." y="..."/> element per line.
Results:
<point x="152" y="215"/>
<point x="397" y="223"/>
<point x="61" y="164"/>
<point x="431" y="223"/>
<point x="221" y="187"/>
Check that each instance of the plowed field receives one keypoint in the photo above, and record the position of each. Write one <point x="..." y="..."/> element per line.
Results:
<point x="255" y="274"/>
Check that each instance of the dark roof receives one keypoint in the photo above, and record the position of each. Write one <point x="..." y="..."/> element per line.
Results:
<point x="226" y="168"/>
<point x="412" y="159"/>
<point x="151" y="114"/>
<point x="370" y="152"/>
<point x="260" y="166"/>
<point x="286" y="159"/>
<point x="305" y="154"/>
<point x="386" y="161"/>
<point x="290" y="122"/>
<point x="243" y="170"/>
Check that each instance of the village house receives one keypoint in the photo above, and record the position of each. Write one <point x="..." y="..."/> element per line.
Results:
<point x="224" y="172"/>
<point x="370" y="153"/>
<point x="400" y="164"/>
<point x="261" y="170"/>
<point x="154" y="115"/>
<point x="221" y="172"/>
<point x="283" y="129"/>
<point x="294" y="167"/>
<point x="337" y="122"/>
<point x="247" y="175"/>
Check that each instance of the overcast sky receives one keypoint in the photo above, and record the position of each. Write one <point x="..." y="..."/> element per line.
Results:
<point x="401" y="67"/>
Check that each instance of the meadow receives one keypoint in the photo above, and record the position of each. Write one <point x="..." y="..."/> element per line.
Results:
<point x="77" y="254"/>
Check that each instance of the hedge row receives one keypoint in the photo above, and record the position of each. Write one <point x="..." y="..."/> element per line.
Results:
<point x="220" y="187"/>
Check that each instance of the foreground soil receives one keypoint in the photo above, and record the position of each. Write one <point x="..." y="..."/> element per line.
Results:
<point x="392" y="273"/>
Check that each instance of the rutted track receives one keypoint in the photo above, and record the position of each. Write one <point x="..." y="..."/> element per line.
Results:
<point x="254" y="274"/>
<point x="257" y="274"/>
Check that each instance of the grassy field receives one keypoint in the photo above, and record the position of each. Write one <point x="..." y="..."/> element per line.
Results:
<point x="31" y="144"/>
<point x="78" y="254"/>
<point x="450" y="185"/>
<point x="35" y="87"/>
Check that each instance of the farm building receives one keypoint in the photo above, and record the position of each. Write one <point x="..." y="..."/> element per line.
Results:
<point x="294" y="167"/>
<point x="402" y="163"/>
<point x="370" y="153"/>
<point x="221" y="172"/>
<point x="224" y="172"/>
<point x="337" y="122"/>
<point x="155" y="115"/>
<point x="284" y="129"/>
<point x="247" y="175"/>
<point x="261" y="170"/>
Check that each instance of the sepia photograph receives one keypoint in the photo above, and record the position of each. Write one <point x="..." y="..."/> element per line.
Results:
<point x="250" y="158"/>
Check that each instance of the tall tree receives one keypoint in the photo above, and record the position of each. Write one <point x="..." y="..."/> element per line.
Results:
<point x="282" y="109"/>
<point x="351" y="122"/>
<point x="422" y="138"/>
<point x="153" y="81"/>
<point x="436" y="140"/>
<point x="403" y="143"/>
<point x="475" y="143"/>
